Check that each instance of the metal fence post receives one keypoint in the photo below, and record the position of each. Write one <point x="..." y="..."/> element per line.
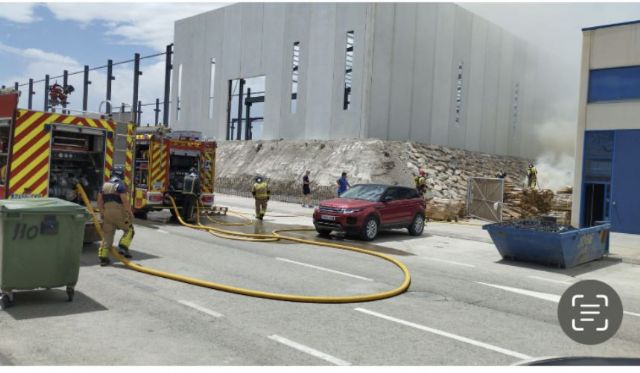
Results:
<point x="85" y="86"/>
<point x="16" y="85"/>
<point x="110" y="78"/>
<point x="157" y="111"/>
<point x="136" y="79"/>
<point x="167" y="85"/>
<point x="65" y="81"/>
<point x="46" y="92"/>
<point x="31" y="92"/>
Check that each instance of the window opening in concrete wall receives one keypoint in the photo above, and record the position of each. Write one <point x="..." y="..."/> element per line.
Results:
<point x="294" y="76"/>
<point x="459" y="95"/>
<point x="348" y="72"/>
<point x="514" y="119"/>
<point x="245" y="108"/>
<point x="212" y="81"/>
<point x="178" y="102"/>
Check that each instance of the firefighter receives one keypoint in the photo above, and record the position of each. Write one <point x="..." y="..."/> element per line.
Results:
<point x="113" y="201"/>
<point x="191" y="193"/>
<point x="421" y="183"/>
<point x="532" y="176"/>
<point x="261" y="193"/>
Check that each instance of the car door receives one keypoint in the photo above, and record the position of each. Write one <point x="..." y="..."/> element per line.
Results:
<point x="406" y="204"/>
<point x="391" y="207"/>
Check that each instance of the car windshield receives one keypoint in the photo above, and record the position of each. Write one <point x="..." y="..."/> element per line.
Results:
<point x="370" y="193"/>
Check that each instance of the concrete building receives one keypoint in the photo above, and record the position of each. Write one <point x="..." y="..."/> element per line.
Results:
<point x="432" y="73"/>
<point x="607" y="173"/>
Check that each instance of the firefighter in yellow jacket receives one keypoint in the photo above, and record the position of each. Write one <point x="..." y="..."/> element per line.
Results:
<point x="113" y="201"/>
<point x="261" y="193"/>
<point x="421" y="183"/>
<point x="532" y="176"/>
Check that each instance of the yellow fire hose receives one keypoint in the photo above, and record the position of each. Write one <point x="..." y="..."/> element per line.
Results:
<point x="261" y="237"/>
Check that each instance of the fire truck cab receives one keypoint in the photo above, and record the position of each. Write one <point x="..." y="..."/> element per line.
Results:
<point x="162" y="160"/>
<point x="46" y="154"/>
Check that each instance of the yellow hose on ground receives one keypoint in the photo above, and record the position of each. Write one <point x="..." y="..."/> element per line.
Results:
<point x="256" y="293"/>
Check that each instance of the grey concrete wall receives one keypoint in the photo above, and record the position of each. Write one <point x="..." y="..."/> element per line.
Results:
<point x="406" y="60"/>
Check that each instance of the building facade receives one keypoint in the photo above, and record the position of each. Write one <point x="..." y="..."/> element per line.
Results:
<point x="432" y="73"/>
<point x="607" y="171"/>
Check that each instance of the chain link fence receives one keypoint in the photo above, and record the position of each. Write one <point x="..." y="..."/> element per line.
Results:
<point x="290" y="192"/>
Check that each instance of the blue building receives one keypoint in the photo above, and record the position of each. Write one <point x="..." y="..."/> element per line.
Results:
<point x="607" y="173"/>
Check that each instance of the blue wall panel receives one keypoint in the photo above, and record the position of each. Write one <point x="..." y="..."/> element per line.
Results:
<point x="625" y="195"/>
<point x="615" y="84"/>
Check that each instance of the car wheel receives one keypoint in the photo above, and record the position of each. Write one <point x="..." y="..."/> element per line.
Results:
<point x="417" y="225"/>
<point x="369" y="229"/>
<point x="323" y="232"/>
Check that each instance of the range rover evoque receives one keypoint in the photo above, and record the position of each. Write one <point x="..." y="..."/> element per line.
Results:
<point x="365" y="209"/>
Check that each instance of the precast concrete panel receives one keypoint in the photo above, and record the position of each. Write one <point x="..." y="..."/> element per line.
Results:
<point x="515" y="104"/>
<point x="349" y="17"/>
<point x="423" y="68"/>
<point x="442" y="82"/>
<point x="615" y="46"/>
<point x="231" y="44"/>
<point x="404" y="33"/>
<point x="381" y="78"/>
<point x="461" y="56"/>
<point x="273" y="60"/>
<point x="504" y="94"/>
<point x="476" y="83"/>
<point x="320" y="51"/>
<point x="252" y="37"/>
<point x="490" y="99"/>
<point x="194" y="91"/>
<point x="190" y="99"/>
<point x="214" y="34"/>
<point x="297" y="29"/>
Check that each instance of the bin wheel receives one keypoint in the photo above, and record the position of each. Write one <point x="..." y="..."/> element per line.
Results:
<point x="70" y="293"/>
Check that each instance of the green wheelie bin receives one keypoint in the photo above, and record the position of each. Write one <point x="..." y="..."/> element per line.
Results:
<point x="40" y="245"/>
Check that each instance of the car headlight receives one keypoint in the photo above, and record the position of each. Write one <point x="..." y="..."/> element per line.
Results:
<point x="350" y="211"/>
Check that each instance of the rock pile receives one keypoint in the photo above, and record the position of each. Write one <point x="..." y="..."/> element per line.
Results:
<point x="366" y="161"/>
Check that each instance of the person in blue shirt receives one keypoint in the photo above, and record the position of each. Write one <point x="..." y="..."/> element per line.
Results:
<point x="343" y="184"/>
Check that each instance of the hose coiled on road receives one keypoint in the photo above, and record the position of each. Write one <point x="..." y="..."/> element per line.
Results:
<point x="275" y="236"/>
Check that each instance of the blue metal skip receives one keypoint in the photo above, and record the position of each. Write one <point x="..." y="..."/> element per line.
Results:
<point x="563" y="249"/>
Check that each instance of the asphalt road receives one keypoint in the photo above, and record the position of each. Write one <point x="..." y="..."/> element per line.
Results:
<point x="464" y="306"/>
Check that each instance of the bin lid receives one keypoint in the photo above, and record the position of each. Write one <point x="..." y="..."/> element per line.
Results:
<point x="39" y="205"/>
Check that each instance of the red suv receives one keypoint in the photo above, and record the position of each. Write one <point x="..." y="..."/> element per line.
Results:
<point x="365" y="209"/>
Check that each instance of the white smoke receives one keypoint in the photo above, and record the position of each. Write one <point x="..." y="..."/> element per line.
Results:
<point x="555" y="162"/>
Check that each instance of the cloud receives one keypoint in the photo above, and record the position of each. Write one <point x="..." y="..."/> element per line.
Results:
<point x="18" y="12"/>
<point x="148" y="24"/>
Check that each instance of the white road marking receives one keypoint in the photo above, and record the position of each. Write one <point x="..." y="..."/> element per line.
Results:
<point x="550" y="280"/>
<point x="308" y="350"/>
<point x="534" y="294"/>
<point x="201" y="309"/>
<point x="162" y="231"/>
<point x="451" y="262"/>
<point x="545" y="296"/>
<point x="324" y="269"/>
<point x="447" y="334"/>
